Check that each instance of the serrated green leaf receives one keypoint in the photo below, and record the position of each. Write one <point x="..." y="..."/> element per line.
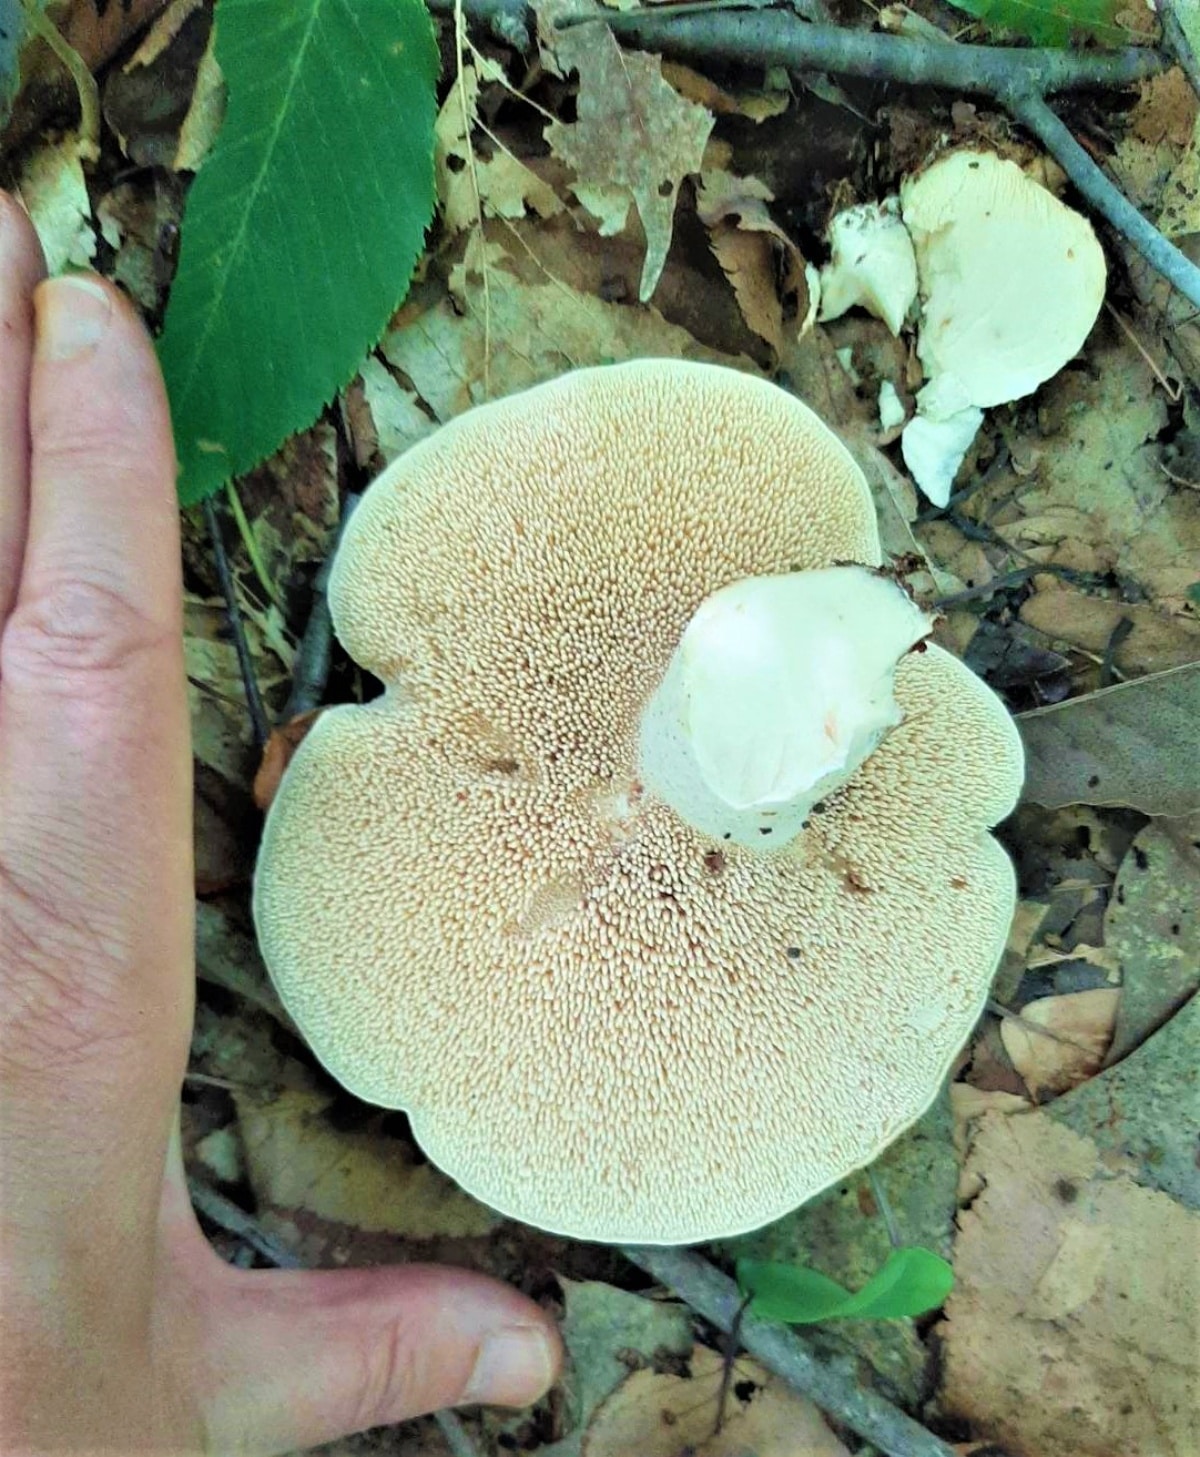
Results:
<point x="304" y="225"/>
<point x="1051" y="22"/>
<point x="910" y="1282"/>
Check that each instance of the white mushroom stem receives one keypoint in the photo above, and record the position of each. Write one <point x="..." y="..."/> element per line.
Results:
<point x="780" y="688"/>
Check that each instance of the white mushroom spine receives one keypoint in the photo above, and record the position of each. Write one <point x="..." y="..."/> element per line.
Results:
<point x="780" y="688"/>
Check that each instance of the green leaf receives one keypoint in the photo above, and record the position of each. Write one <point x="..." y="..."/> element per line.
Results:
<point x="791" y="1293"/>
<point x="304" y="225"/>
<point x="1052" y="22"/>
<point x="910" y="1282"/>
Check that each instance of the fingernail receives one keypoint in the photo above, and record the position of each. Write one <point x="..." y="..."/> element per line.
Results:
<point x="515" y="1366"/>
<point x="72" y="315"/>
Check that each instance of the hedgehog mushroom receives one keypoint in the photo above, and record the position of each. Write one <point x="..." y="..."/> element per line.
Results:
<point x="657" y="886"/>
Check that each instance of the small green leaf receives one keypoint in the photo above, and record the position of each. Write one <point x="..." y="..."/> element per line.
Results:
<point x="910" y="1282"/>
<point x="1052" y="22"/>
<point x="791" y="1293"/>
<point x="304" y="225"/>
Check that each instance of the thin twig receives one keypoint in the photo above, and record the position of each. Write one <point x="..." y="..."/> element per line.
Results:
<point x="310" y="668"/>
<point x="1176" y="41"/>
<point x="458" y="1439"/>
<point x="885" y="1208"/>
<point x="226" y="1215"/>
<point x="258" y="714"/>
<point x="777" y="38"/>
<point x="715" y="1297"/>
<point x="1104" y="196"/>
<point x="233" y="1220"/>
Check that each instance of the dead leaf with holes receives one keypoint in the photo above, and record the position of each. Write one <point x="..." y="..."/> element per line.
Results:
<point x="660" y="1415"/>
<point x="634" y="138"/>
<point x="469" y="177"/>
<point x="766" y="270"/>
<point x="1073" y="1329"/>
<point x="1060" y="1042"/>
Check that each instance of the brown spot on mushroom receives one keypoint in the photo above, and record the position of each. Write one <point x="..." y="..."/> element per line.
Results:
<point x="959" y="882"/>
<point x="714" y="861"/>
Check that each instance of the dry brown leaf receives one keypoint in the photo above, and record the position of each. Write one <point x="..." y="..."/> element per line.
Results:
<point x="506" y="187"/>
<point x="298" y="1163"/>
<point x="534" y="332"/>
<point x="1049" y="1065"/>
<point x="634" y="139"/>
<point x="765" y="268"/>
<point x="1099" y="501"/>
<point x="755" y="105"/>
<point x="659" y="1415"/>
<point x="1072" y="1329"/>
<point x="1158" y="640"/>
<point x="1166" y="110"/>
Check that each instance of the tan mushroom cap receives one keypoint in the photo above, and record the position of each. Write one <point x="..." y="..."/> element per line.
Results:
<point x="601" y="1021"/>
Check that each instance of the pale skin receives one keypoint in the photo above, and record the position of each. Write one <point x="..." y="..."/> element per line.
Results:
<point x="120" y="1329"/>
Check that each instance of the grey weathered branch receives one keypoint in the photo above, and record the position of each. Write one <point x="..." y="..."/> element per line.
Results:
<point x="701" y="1286"/>
<point x="1019" y="80"/>
<point x="1176" y="41"/>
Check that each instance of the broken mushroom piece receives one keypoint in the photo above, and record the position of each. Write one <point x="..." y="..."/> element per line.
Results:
<point x="1011" y="279"/>
<point x="779" y="689"/>
<point x="1011" y="283"/>
<point x="603" y="1016"/>
<point x="872" y="264"/>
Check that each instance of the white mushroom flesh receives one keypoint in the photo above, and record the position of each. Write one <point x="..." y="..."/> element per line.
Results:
<point x="1011" y="279"/>
<point x="872" y="265"/>
<point x="780" y="688"/>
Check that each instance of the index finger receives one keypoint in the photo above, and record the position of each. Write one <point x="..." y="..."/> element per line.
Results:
<point x="95" y="840"/>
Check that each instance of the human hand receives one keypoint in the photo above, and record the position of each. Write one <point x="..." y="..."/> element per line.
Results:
<point x="120" y="1328"/>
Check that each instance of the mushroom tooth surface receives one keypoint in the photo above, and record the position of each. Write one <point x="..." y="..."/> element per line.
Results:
<point x="780" y="688"/>
<point x="872" y="265"/>
<point x="600" y="1019"/>
<point x="1011" y="279"/>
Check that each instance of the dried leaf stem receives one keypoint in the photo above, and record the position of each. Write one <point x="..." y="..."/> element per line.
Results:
<point x="712" y="1295"/>
<point x="254" y="703"/>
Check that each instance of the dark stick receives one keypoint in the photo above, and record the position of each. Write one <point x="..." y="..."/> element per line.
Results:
<point x="703" y="1287"/>
<point x="777" y="38"/>
<point x="258" y="714"/>
<point x="1177" y="42"/>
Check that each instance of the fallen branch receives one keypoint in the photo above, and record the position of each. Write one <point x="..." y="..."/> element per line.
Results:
<point x="1176" y="41"/>
<point x="1017" y="79"/>
<point x="703" y="1287"/>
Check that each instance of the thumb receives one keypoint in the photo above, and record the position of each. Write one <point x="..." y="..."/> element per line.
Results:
<point x="300" y="1358"/>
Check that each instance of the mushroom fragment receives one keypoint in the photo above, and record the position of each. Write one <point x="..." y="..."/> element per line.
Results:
<point x="1011" y="279"/>
<point x="872" y="264"/>
<point x="603" y="1016"/>
<point x="1011" y="283"/>
<point x="779" y="689"/>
